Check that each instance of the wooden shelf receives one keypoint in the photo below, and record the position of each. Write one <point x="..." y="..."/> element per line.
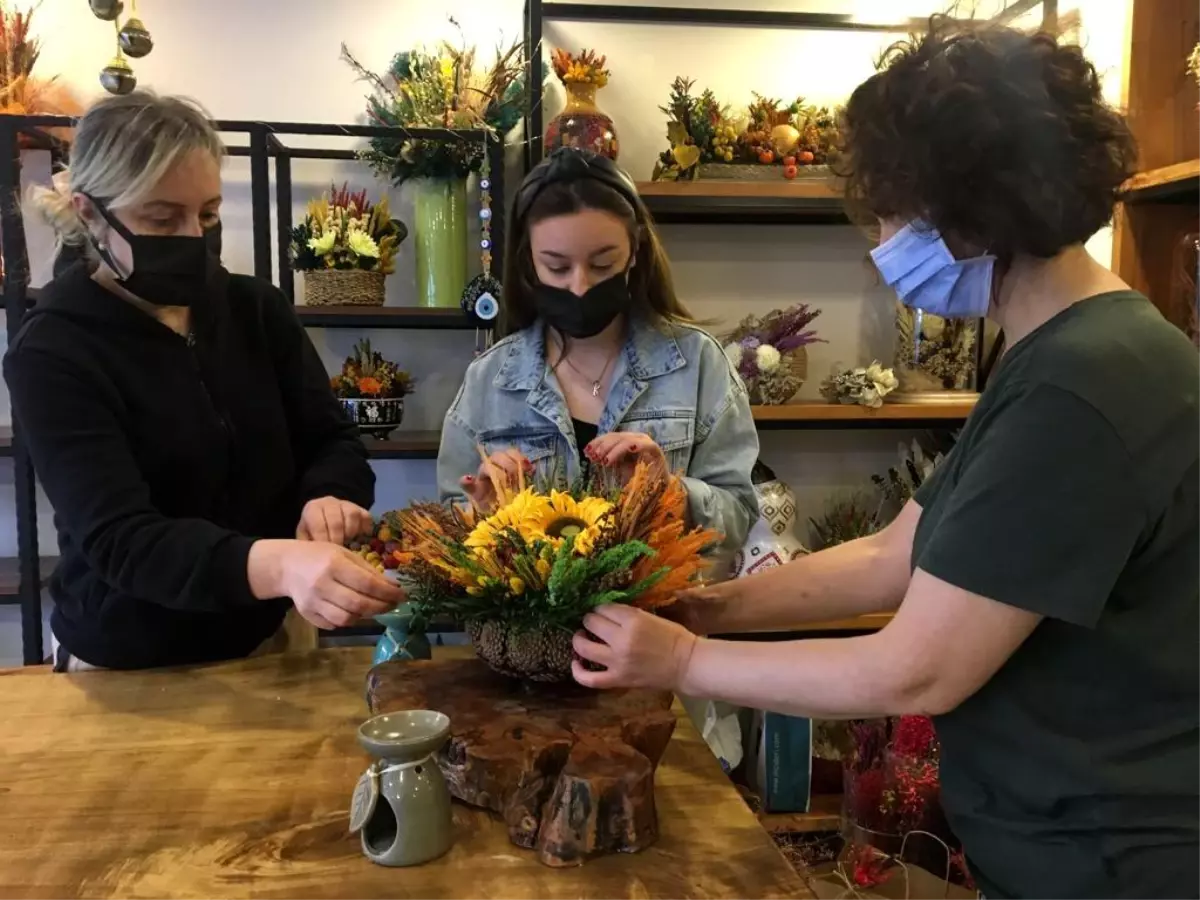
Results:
<point x="1179" y="183"/>
<point x="384" y="317"/>
<point x="813" y="415"/>
<point x="10" y="576"/>
<point x="405" y="445"/>
<point x="812" y="201"/>
<point x="824" y="814"/>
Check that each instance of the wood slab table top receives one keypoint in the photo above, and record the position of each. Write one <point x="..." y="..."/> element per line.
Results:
<point x="235" y="780"/>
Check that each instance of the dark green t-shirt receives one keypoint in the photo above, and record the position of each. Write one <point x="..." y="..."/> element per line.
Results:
<point x="1073" y="493"/>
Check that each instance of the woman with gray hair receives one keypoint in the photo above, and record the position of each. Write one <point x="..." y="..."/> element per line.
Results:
<point x="178" y="416"/>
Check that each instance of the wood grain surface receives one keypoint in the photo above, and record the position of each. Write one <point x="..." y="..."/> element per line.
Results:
<point x="235" y="781"/>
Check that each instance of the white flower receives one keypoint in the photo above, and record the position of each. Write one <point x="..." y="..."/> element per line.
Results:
<point x="733" y="353"/>
<point x="870" y="397"/>
<point x="323" y="244"/>
<point x="767" y="358"/>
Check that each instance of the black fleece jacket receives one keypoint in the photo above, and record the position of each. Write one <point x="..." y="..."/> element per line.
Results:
<point x="164" y="462"/>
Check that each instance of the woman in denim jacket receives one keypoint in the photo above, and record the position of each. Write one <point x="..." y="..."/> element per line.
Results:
<point x="598" y="364"/>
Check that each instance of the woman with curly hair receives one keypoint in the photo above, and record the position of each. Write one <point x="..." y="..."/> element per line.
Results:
<point x="1045" y="578"/>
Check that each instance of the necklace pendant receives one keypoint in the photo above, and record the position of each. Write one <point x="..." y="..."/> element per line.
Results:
<point x="595" y="389"/>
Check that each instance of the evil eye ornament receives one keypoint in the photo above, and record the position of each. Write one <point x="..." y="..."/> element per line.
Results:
<point x="481" y="300"/>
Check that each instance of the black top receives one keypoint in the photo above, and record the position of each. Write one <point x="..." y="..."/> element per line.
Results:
<point x="585" y="433"/>
<point x="1075" y="771"/>
<point x="164" y="462"/>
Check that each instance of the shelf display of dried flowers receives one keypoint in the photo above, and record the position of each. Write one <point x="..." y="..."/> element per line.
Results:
<point x="770" y="353"/>
<point x="523" y="572"/>
<point x="582" y="123"/>
<point x="934" y="356"/>
<point x="346" y="246"/>
<point x="770" y="140"/>
<point x="863" y="385"/>
<point x="372" y="390"/>
<point x="447" y="88"/>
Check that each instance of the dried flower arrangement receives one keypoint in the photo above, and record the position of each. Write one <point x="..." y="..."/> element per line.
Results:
<point x="933" y="354"/>
<point x="864" y="385"/>
<point x="345" y="231"/>
<point x="769" y="354"/>
<point x="21" y="93"/>
<point x="443" y="88"/>
<point x="585" y="68"/>
<point x="367" y="375"/>
<point x="847" y="517"/>
<point x="523" y="572"/>
<point x="891" y="790"/>
<point x="701" y="130"/>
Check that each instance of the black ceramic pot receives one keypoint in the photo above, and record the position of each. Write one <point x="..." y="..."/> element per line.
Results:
<point x="376" y="418"/>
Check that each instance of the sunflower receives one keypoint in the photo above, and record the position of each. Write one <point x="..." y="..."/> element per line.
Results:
<point x="564" y="516"/>
<point x="524" y="514"/>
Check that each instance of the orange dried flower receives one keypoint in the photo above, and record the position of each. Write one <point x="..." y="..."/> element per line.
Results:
<point x="368" y="385"/>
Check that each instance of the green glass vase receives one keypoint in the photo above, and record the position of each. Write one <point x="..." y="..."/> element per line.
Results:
<point x="440" y="213"/>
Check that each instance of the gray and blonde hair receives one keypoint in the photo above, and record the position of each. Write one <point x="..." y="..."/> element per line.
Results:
<point x="123" y="147"/>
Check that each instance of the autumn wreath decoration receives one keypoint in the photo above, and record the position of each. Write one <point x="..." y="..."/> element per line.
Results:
<point x="522" y="573"/>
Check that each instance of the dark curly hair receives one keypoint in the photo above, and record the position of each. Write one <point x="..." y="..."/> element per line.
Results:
<point x="998" y="138"/>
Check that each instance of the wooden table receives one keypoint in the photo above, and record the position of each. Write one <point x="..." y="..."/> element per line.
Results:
<point x="235" y="780"/>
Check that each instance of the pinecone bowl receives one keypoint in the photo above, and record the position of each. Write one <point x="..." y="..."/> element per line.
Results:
<point x="530" y="654"/>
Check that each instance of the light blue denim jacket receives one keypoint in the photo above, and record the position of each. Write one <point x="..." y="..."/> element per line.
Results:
<point x="672" y="382"/>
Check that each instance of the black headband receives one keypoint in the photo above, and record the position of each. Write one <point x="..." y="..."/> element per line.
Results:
<point x="570" y="164"/>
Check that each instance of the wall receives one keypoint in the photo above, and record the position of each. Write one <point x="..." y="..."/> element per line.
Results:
<point x="279" y="60"/>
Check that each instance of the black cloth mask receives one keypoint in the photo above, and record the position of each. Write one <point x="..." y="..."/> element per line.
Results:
<point x="583" y="317"/>
<point x="168" y="270"/>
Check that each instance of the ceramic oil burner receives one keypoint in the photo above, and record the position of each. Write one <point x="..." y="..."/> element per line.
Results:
<point x="772" y="540"/>
<point x="399" y="640"/>
<point x="401" y="805"/>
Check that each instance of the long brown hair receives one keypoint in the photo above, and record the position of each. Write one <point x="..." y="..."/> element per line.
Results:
<point x="570" y="181"/>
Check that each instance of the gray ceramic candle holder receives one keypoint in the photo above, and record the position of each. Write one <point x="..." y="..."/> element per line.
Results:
<point x="401" y="806"/>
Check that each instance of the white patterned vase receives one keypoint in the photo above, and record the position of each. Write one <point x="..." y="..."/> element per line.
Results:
<point x="772" y="540"/>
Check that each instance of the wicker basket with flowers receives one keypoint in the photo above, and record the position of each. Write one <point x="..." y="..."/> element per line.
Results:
<point x="346" y="247"/>
<point x="522" y="573"/>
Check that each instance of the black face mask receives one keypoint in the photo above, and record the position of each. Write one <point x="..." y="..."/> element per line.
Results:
<point x="168" y="270"/>
<point x="586" y="316"/>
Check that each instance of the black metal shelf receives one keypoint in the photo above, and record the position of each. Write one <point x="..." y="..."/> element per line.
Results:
<point x="413" y="317"/>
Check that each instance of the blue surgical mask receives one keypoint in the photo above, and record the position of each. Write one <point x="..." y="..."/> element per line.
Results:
<point x="919" y="267"/>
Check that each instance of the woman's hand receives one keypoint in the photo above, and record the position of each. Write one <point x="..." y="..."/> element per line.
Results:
<point x="330" y="586"/>
<point x="332" y="520"/>
<point x="636" y="648"/>
<point x="479" y="487"/>
<point x="625" y="449"/>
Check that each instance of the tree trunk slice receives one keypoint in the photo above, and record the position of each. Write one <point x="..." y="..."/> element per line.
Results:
<point x="570" y="770"/>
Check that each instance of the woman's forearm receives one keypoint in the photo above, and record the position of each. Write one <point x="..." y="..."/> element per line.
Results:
<point x="845" y="678"/>
<point x="868" y="575"/>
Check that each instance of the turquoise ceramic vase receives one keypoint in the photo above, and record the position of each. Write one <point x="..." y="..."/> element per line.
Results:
<point x="399" y="640"/>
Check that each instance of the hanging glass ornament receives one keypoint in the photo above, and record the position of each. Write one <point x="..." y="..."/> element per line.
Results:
<point x="481" y="299"/>
<point x="117" y="77"/>
<point x="108" y="10"/>
<point x="135" y="39"/>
